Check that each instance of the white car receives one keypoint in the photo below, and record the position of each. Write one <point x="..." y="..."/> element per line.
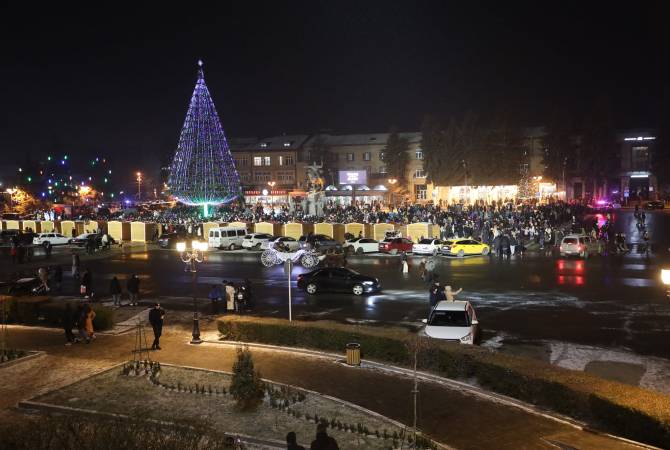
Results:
<point x="578" y="245"/>
<point x="454" y="322"/>
<point x="255" y="240"/>
<point x="427" y="247"/>
<point x="361" y="245"/>
<point x="51" y="238"/>
<point x="289" y="242"/>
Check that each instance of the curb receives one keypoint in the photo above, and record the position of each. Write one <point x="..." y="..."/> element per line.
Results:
<point x="29" y="357"/>
<point x="446" y="382"/>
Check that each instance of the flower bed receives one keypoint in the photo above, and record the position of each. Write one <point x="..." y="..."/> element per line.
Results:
<point x="621" y="409"/>
<point x="177" y="394"/>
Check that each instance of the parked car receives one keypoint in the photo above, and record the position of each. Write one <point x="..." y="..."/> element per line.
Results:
<point x="82" y="239"/>
<point x="578" y="245"/>
<point x="454" y="322"/>
<point x="226" y="237"/>
<point x="319" y="242"/>
<point x="287" y="242"/>
<point x="169" y="240"/>
<point x="255" y="240"/>
<point x="361" y="245"/>
<point x="337" y="279"/>
<point x="464" y="247"/>
<point x="7" y="236"/>
<point x="396" y="245"/>
<point x="427" y="247"/>
<point x="50" y="239"/>
<point x="655" y="204"/>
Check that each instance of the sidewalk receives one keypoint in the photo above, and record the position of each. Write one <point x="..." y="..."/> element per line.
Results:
<point x="458" y="419"/>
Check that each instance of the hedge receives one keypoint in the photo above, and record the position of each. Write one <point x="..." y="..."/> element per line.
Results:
<point x="45" y="311"/>
<point x="617" y="408"/>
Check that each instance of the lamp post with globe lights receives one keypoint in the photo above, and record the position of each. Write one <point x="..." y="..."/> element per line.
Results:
<point x="191" y="259"/>
<point x="392" y="182"/>
<point x="139" y="185"/>
<point x="272" y="184"/>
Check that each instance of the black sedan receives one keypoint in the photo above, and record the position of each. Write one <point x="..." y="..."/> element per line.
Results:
<point x="169" y="240"/>
<point x="654" y="205"/>
<point x="82" y="239"/>
<point x="337" y="279"/>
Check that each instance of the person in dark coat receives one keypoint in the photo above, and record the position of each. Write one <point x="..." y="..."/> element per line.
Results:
<point x="156" y="316"/>
<point x="87" y="282"/>
<point x="58" y="277"/>
<point x="292" y="442"/>
<point x="134" y="289"/>
<point x="436" y="295"/>
<point x="115" y="290"/>
<point x="68" y="321"/>
<point x="323" y="441"/>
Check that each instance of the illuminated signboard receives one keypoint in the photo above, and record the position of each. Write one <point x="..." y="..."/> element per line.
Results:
<point x="353" y="177"/>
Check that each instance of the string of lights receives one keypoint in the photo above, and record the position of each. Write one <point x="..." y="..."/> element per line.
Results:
<point x="203" y="170"/>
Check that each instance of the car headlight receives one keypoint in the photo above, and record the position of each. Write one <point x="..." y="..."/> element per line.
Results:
<point x="368" y="282"/>
<point x="467" y="338"/>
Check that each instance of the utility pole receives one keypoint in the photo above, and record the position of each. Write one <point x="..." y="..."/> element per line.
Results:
<point x="139" y="186"/>
<point x="565" y="188"/>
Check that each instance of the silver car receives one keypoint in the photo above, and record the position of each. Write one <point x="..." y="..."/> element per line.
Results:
<point x="579" y="245"/>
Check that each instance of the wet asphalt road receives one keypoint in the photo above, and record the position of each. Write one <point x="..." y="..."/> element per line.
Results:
<point x="606" y="301"/>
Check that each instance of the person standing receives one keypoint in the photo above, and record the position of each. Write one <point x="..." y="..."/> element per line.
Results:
<point x="81" y="323"/>
<point x="58" y="277"/>
<point x="292" y="442"/>
<point x="156" y="317"/>
<point x="323" y="441"/>
<point x="450" y="295"/>
<point x="134" y="290"/>
<point x="115" y="290"/>
<point x="67" y="320"/>
<point x="436" y="294"/>
<point x="215" y="296"/>
<point x="230" y="296"/>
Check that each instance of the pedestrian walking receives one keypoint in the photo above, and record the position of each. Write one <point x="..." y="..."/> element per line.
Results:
<point x="115" y="291"/>
<point x="81" y="323"/>
<point x="403" y="259"/>
<point x="47" y="249"/>
<point x="292" y="442"/>
<point x="436" y="295"/>
<point x="86" y="288"/>
<point x="68" y="320"/>
<point x="230" y="296"/>
<point x="156" y="317"/>
<point x="133" y="287"/>
<point x="88" y="323"/>
<point x="323" y="441"/>
<point x="75" y="264"/>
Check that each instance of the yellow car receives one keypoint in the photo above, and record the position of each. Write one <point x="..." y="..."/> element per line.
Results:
<point x="463" y="247"/>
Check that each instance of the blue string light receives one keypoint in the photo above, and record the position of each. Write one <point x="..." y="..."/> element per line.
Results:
<point x="203" y="170"/>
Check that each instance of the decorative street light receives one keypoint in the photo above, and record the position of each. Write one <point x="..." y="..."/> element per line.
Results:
<point x="272" y="183"/>
<point x="392" y="182"/>
<point x="139" y="186"/>
<point x="665" y="278"/>
<point x="191" y="259"/>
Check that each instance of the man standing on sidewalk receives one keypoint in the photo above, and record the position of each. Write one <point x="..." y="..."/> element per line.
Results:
<point x="156" y="316"/>
<point x="134" y="290"/>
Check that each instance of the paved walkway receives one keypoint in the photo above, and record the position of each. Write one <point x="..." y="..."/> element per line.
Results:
<point x="458" y="419"/>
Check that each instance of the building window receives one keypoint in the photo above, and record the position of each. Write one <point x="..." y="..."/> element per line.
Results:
<point x="258" y="161"/>
<point x="418" y="154"/>
<point x="420" y="191"/>
<point x="244" y="161"/>
<point x="382" y="169"/>
<point x="381" y="156"/>
<point x="419" y="173"/>
<point x="286" y="160"/>
<point x="640" y="158"/>
<point x="266" y="161"/>
<point x="366" y="156"/>
<point x="262" y="176"/>
<point x="350" y="156"/>
<point x="285" y="177"/>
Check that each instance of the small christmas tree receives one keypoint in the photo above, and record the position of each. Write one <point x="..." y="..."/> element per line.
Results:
<point x="247" y="387"/>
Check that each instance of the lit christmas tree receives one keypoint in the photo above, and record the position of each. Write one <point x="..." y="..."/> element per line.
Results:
<point x="525" y="187"/>
<point x="203" y="170"/>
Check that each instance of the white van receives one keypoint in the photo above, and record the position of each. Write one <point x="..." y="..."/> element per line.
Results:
<point x="226" y="237"/>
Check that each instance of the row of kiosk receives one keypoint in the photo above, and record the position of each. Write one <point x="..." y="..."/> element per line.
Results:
<point x="145" y="231"/>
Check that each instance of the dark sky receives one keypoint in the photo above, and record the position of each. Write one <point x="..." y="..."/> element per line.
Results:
<point x="117" y="80"/>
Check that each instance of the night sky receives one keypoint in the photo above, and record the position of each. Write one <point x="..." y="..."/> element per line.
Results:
<point x="117" y="81"/>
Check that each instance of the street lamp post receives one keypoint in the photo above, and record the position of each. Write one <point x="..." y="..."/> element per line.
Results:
<point x="191" y="259"/>
<point x="272" y="185"/>
<point x="139" y="186"/>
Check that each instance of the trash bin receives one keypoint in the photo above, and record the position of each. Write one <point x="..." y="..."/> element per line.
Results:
<point x="354" y="354"/>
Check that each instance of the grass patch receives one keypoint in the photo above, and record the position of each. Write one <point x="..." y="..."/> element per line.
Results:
<point x="625" y="410"/>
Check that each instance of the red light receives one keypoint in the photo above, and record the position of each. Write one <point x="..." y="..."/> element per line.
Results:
<point x="561" y="279"/>
<point x="579" y="281"/>
<point x="579" y="267"/>
<point x="561" y="264"/>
